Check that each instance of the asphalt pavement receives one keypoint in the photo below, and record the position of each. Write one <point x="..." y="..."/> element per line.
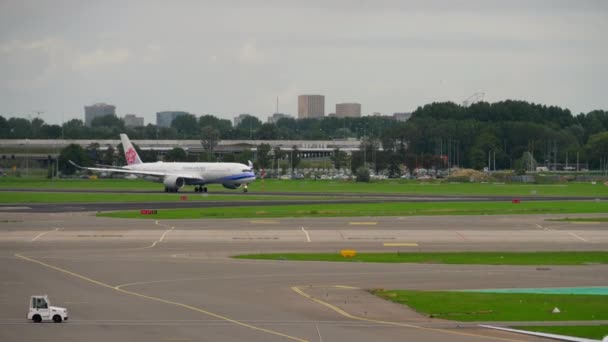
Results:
<point x="174" y="280"/>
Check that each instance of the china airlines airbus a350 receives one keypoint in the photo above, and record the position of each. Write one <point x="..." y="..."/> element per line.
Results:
<point x="176" y="175"/>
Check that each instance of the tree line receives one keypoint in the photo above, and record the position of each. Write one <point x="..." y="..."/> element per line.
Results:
<point x="501" y="135"/>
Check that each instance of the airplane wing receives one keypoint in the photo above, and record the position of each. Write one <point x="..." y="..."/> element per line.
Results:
<point x="133" y="172"/>
<point x="110" y="166"/>
<point x="181" y="174"/>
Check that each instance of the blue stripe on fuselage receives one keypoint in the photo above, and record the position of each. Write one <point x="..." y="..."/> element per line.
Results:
<point x="239" y="176"/>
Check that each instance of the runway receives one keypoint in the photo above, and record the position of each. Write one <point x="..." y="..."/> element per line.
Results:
<point x="173" y="280"/>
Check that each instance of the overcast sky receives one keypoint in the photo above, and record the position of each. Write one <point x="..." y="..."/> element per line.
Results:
<point x="231" y="57"/>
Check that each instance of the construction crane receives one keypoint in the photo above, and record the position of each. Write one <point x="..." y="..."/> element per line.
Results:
<point x="477" y="97"/>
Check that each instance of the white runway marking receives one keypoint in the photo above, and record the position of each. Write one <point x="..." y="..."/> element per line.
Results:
<point x="306" y="233"/>
<point x="165" y="234"/>
<point x="166" y="231"/>
<point x="541" y="227"/>
<point x="577" y="237"/>
<point x="162" y="237"/>
<point x="319" y="332"/>
<point x="44" y="233"/>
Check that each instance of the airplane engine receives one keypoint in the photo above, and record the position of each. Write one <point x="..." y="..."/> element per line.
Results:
<point x="230" y="186"/>
<point x="173" y="182"/>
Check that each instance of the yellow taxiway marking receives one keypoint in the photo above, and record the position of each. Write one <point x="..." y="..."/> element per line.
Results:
<point x="347" y="287"/>
<point x="264" y="222"/>
<point x="297" y="289"/>
<point x="116" y="288"/>
<point x="363" y="223"/>
<point x="400" y="244"/>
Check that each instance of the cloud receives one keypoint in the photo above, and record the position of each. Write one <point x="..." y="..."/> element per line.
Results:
<point x="250" y="54"/>
<point x="37" y="63"/>
<point x="100" y="58"/>
<point x="27" y="64"/>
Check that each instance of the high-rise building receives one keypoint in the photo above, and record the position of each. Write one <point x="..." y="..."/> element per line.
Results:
<point x="239" y="118"/>
<point x="132" y="120"/>
<point x="277" y="116"/>
<point x="311" y="106"/>
<point x="97" y="110"/>
<point x="164" y="119"/>
<point x="348" y="110"/>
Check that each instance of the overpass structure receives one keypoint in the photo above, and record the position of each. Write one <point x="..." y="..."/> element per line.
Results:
<point x="42" y="148"/>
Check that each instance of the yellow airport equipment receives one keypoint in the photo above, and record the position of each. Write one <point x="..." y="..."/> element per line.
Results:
<point x="348" y="253"/>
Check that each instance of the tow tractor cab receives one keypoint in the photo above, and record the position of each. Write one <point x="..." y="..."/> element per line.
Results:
<point x="41" y="310"/>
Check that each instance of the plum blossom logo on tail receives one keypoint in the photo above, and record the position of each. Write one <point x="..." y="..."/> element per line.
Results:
<point x="131" y="156"/>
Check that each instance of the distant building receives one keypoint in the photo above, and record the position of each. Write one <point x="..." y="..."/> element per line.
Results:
<point x="348" y="110"/>
<point x="331" y="115"/>
<point x="311" y="106"/>
<point x="241" y="117"/>
<point x="132" y="120"/>
<point x="402" y="117"/>
<point x="278" y="116"/>
<point x="164" y="119"/>
<point x="376" y="114"/>
<point x="97" y="110"/>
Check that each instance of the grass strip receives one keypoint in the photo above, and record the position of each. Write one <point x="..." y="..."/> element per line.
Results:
<point x="580" y="219"/>
<point x="333" y="186"/>
<point x="377" y="209"/>
<point x="472" y="306"/>
<point x="464" y="258"/>
<point x="585" y="331"/>
<point x="58" y="197"/>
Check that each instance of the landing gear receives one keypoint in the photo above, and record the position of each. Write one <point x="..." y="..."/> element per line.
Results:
<point x="245" y="188"/>
<point x="168" y="189"/>
<point x="200" y="189"/>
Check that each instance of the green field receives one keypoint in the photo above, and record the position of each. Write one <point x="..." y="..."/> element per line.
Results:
<point x="377" y="209"/>
<point x="56" y="197"/>
<point x="585" y="331"/>
<point x="472" y="306"/>
<point x="333" y="186"/>
<point x="581" y="219"/>
<point x="464" y="258"/>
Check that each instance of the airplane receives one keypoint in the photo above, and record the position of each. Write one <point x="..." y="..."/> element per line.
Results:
<point x="175" y="175"/>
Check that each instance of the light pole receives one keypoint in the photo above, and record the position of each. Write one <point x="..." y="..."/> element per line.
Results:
<point x="27" y="157"/>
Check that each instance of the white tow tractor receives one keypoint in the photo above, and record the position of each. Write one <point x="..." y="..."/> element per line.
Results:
<point x="41" y="310"/>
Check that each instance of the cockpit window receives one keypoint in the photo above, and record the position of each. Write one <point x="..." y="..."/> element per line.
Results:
<point x="246" y="170"/>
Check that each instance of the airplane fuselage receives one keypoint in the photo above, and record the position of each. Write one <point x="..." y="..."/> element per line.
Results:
<point x="202" y="173"/>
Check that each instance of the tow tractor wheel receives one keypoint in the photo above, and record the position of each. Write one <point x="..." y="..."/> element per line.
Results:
<point x="57" y="319"/>
<point x="37" y="319"/>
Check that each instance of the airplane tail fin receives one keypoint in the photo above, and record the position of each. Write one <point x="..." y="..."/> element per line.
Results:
<point x="131" y="155"/>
